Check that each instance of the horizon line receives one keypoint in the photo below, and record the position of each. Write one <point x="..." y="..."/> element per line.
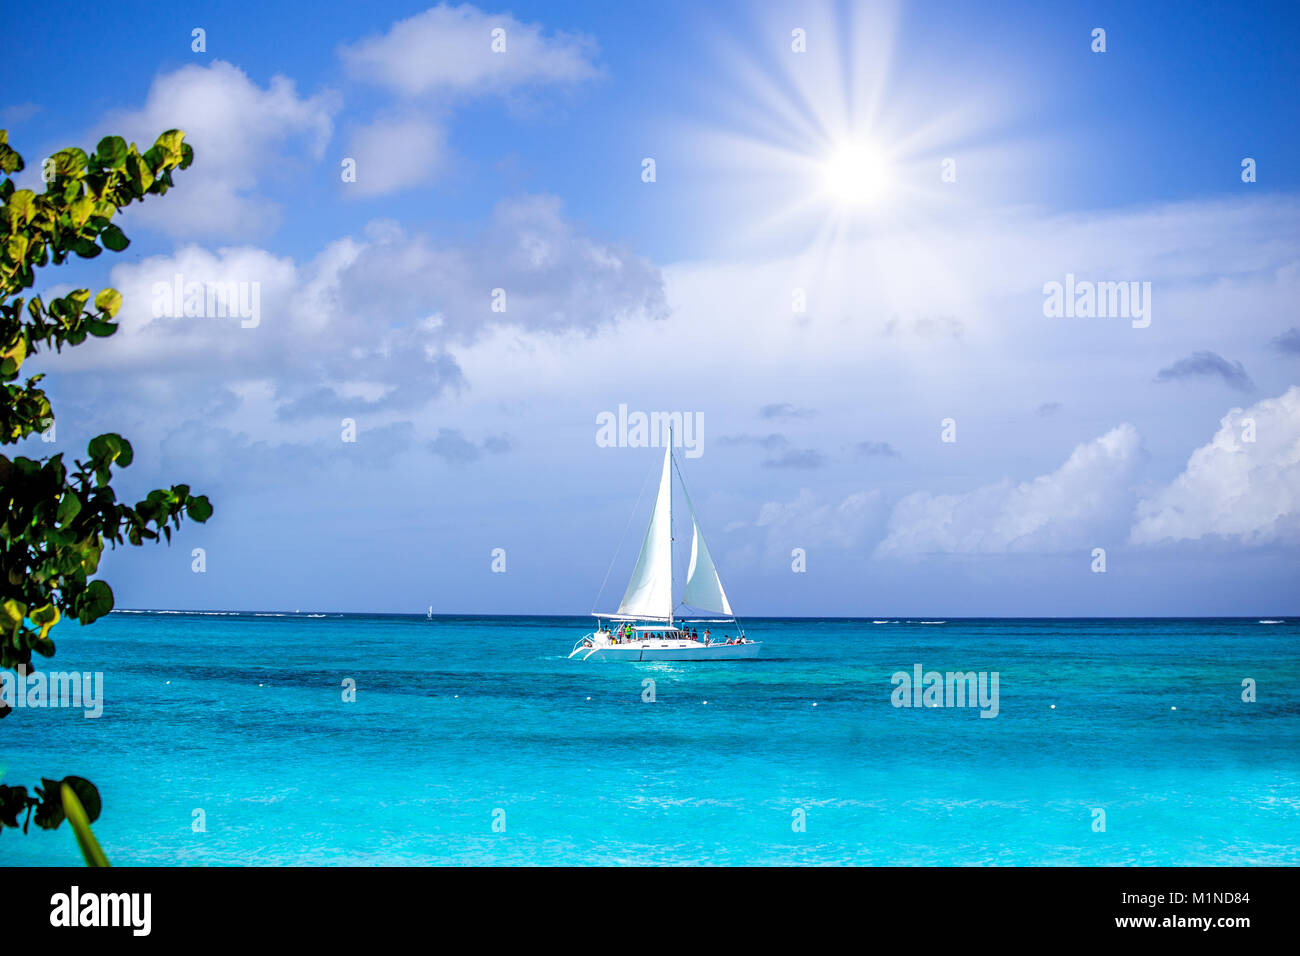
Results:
<point x="769" y="617"/>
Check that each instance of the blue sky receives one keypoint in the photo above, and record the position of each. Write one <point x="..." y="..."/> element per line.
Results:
<point x="522" y="171"/>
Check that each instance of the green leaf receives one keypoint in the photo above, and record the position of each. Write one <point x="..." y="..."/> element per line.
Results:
<point x="109" y="448"/>
<point x="78" y="298"/>
<point x="45" y="618"/>
<point x="21" y="205"/>
<point x="16" y="246"/>
<point x="88" y="794"/>
<point x="96" y="601"/>
<point x="69" y="508"/>
<point x="49" y="812"/>
<point x="13" y="800"/>
<point x="138" y="171"/>
<point x="109" y="301"/>
<point x="111" y="151"/>
<point x="10" y="161"/>
<point x="113" y="238"/>
<point x="199" y="508"/>
<point x="169" y="144"/>
<point x="70" y="162"/>
<point x="80" y="209"/>
<point x="11" y="614"/>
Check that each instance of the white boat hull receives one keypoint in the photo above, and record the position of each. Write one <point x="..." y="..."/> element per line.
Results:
<point x="670" y="651"/>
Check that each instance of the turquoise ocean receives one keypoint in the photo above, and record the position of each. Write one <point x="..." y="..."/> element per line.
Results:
<point x="472" y="740"/>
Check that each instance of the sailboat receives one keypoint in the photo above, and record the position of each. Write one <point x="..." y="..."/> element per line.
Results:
<point x="646" y="626"/>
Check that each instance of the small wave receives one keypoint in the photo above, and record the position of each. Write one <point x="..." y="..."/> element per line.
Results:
<point x="1270" y="621"/>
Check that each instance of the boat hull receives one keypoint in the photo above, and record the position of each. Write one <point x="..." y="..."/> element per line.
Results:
<point x="689" y="651"/>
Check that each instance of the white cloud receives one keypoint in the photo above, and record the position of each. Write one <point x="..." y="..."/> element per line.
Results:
<point x="1232" y="488"/>
<point x="389" y="307"/>
<point x="242" y="134"/>
<point x="449" y="49"/>
<point x="444" y="54"/>
<point x="1072" y="507"/>
<point x="394" y="153"/>
<point x="807" y="521"/>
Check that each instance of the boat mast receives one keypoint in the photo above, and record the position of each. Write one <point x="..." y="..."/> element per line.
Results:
<point x="671" y="591"/>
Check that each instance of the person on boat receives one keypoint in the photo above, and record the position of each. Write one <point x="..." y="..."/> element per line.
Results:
<point x="707" y="632"/>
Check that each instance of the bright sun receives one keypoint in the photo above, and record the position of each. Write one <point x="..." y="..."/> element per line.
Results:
<point x="855" y="174"/>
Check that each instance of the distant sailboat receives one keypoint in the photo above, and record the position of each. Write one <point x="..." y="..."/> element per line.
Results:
<point x="645" y="628"/>
<point x="430" y="615"/>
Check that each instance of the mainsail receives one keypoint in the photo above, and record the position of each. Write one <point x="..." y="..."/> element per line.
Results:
<point x="650" y="592"/>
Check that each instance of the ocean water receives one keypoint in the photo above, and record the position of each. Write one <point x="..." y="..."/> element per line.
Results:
<point x="461" y="722"/>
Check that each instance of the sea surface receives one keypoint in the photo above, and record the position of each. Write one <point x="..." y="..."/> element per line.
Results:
<point x="472" y="740"/>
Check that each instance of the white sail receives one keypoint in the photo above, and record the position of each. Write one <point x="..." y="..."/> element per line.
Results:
<point x="703" y="586"/>
<point x="650" y="592"/>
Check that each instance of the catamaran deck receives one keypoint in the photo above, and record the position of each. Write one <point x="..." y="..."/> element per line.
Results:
<point x="660" y="650"/>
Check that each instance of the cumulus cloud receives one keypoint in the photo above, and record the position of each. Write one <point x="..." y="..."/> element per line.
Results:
<point x="796" y="458"/>
<point x="243" y="135"/>
<point x="448" y="49"/>
<point x="807" y="521"/>
<point x="394" y="153"/>
<point x="452" y="446"/>
<point x="437" y="59"/>
<point x="1072" y="507"/>
<point x="371" y="323"/>
<point x="785" y="410"/>
<point x="232" y="460"/>
<point x="876" y="449"/>
<point x="1208" y="365"/>
<point x="1288" y="341"/>
<point x="1234" y="487"/>
<point x="779" y="450"/>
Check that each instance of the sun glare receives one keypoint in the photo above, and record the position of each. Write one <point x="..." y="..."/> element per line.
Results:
<point x="855" y="174"/>
<point x="817" y="151"/>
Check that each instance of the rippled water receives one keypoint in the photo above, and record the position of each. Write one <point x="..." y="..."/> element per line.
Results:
<point x="460" y="721"/>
